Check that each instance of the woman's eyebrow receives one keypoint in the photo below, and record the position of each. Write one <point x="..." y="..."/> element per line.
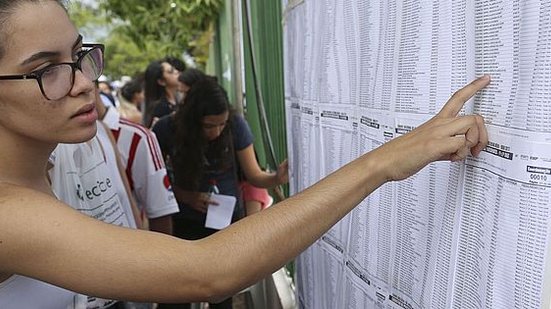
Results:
<point x="39" y="55"/>
<point x="49" y="54"/>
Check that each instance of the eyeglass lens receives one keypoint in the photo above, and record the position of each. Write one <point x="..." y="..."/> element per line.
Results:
<point x="58" y="81"/>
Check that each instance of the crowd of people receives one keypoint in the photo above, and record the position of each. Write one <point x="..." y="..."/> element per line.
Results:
<point x="104" y="192"/>
<point x="172" y="135"/>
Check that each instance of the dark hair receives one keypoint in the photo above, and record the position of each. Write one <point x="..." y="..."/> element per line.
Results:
<point x="131" y="88"/>
<point x="176" y="62"/>
<point x="205" y="98"/>
<point x="7" y="8"/>
<point x="153" y="90"/>
<point x="191" y="76"/>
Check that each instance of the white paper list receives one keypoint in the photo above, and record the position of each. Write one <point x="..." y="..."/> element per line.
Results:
<point x="456" y="235"/>
<point x="513" y="45"/>
<point x="505" y="225"/>
<point x="369" y="243"/>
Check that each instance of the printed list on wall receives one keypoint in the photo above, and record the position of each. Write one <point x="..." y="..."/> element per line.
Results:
<point x="473" y="234"/>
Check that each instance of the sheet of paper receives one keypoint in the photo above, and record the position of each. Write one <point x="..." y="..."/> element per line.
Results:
<point x="219" y="216"/>
<point x="505" y="223"/>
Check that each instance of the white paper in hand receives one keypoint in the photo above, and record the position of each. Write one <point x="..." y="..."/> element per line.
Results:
<point x="219" y="216"/>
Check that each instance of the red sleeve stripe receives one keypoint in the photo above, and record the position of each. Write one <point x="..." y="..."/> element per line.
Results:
<point x="152" y="145"/>
<point x="157" y="150"/>
<point x="131" y="157"/>
<point x="157" y="158"/>
<point x="116" y="134"/>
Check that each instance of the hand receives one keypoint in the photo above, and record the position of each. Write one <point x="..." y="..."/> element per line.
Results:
<point x="201" y="202"/>
<point x="282" y="173"/>
<point x="444" y="137"/>
<point x="154" y="121"/>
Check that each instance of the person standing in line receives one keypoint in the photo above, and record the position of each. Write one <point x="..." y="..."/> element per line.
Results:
<point x="209" y="145"/>
<point x="88" y="177"/>
<point x="175" y="62"/>
<point x="161" y="86"/>
<point x="50" y="252"/>
<point x="254" y="198"/>
<point x="112" y="158"/>
<point x="131" y="99"/>
<point x="145" y="169"/>
<point x="179" y="65"/>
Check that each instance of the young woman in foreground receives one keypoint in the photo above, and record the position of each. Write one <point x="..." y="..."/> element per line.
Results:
<point x="47" y="97"/>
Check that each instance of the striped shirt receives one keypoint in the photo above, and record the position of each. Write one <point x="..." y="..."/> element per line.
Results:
<point x="144" y="165"/>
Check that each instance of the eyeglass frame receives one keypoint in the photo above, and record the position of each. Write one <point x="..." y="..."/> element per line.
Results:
<point x="37" y="74"/>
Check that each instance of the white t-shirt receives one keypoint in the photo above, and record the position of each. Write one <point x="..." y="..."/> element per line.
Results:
<point x="111" y="161"/>
<point x="81" y="178"/>
<point x="19" y="292"/>
<point x="145" y="168"/>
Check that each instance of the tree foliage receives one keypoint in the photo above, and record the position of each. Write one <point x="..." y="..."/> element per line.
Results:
<point x="165" y="27"/>
<point x="136" y="32"/>
<point x="89" y="19"/>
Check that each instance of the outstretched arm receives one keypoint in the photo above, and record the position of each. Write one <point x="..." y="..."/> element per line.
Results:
<point x="42" y="238"/>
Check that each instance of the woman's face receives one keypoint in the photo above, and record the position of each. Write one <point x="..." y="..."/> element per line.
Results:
<point x="170" y="77"/>
<point x="40" y="34"/>
<point x="213" y="125"/>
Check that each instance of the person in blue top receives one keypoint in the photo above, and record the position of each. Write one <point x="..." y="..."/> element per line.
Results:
<point x="208" y="144"/>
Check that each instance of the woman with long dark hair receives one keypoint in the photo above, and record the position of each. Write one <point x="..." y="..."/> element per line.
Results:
<point x="209" y="144"/>
<point x="161" y="86"/>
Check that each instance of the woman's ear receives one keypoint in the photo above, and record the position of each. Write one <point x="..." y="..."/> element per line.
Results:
<point x="161" y="82"/>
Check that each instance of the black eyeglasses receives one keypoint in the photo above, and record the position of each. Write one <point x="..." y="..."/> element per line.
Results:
<point x="56" y="80"/>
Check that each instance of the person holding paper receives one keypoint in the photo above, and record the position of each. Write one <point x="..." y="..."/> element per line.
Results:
<point x="210" y="145"/>
<point x="49" y="251"/>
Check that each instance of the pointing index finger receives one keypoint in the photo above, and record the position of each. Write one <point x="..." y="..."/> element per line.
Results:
<point x="456" y="102"/>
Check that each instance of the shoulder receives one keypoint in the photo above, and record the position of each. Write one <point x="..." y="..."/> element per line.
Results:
<point x="163" y="125"/>
<point x="131" y="135"/>
<point x="134" y="128"/>
<point x="27" y="218"/>
<point x="136" y="140"/>
<point x="241" y="132"/>
<point x="239" y="124"/>
<point x="8" y="192"/>
<point x="16" y="200"/>
<point x="37" y="230"/>
<point x="238" y="119"/>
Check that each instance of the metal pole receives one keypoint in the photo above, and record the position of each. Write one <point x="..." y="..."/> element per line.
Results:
<point x="237" y="67"/>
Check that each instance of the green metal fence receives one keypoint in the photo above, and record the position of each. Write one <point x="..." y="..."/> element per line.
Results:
<point x="266" y="33"/>
<point x="263" y="81"/>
